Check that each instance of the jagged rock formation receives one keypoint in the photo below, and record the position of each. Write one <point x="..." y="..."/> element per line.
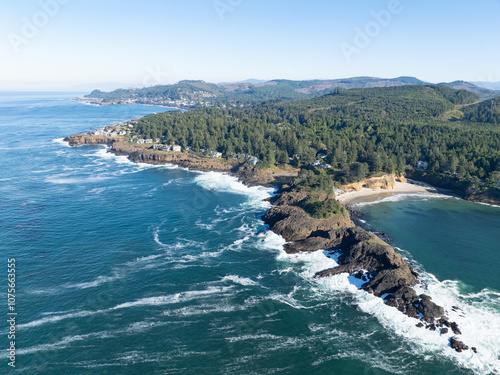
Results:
<point x="362" y="254"/>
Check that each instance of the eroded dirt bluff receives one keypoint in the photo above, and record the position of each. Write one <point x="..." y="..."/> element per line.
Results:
<point x="384" y="182"/>
<point x="361" y="254"/>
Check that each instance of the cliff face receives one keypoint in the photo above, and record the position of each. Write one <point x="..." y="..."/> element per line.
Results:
<point x="385" y="182"/>
<point x="86" y="139"/>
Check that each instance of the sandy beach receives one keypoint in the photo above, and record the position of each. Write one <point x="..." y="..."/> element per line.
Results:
<point x="369" y="195"/>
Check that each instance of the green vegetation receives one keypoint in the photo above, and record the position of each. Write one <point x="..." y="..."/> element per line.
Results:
<point x="363" y="132"/>
<point x="486" y="112"/>
<point x="322" y="209"/>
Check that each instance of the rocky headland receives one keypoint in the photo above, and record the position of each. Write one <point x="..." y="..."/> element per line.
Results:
<point x="361" y="254"/>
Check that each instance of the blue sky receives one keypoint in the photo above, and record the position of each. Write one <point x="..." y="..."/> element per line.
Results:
<point x="72" y="42"/>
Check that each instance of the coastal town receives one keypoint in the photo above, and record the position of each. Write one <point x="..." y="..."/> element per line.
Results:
<point x="125" y="132"/>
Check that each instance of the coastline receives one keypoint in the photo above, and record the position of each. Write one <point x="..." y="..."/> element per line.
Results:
<point x="380" y="269"/>
<point x="401" y="188"/>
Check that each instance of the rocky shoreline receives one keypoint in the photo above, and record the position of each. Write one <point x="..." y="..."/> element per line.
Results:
<point x="362" y="254"/>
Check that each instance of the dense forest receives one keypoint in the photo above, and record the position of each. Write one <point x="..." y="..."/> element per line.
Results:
<point x="485" y="112"/>
<point x="362" y="132"/>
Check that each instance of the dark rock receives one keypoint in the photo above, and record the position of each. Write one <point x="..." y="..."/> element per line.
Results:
<point x="458" y="345"/>
<point x="444" y="331"/>
<point x="428" y="308"/>
<point x="474" y="349"/>
<point x="455" y="329"/>
<point x="420" y="325"/>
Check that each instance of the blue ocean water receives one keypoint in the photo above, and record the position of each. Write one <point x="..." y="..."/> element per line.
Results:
<point x="137" y="269"/>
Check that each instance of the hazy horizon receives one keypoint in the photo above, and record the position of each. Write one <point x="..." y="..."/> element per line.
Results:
<point x="66" y="44"/>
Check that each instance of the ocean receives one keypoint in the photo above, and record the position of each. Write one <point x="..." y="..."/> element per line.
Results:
<point x="126" y="268"/>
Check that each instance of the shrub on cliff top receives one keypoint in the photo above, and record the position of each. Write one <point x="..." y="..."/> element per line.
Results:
<point x="322" y="209"/>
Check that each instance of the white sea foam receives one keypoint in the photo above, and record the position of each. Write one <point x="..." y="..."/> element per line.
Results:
<point x="58" y="180"/>
<point x="61" y="142"/>
<point x="479" y="321"/>
<point x="98" y="281"/>
<point x="239" y="280"/>
<point x="147" y="301"/>
<point x="226" y="183"/>
<point x="405" y="197"/>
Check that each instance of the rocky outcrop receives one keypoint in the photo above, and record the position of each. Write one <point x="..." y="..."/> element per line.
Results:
<point x="490" y="196"/>
<point x="361" y="254"/>
<point x="86" y="139"/>
<point x="458" y="345"/>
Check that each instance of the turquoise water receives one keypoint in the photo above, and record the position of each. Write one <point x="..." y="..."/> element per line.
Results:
<point x="453" y="238"/>
<point x="134" y="269"/>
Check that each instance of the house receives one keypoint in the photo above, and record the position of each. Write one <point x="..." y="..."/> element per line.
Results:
<point x="114" y="134"/>
<point x="203" y="150"/>
<point x="321" y="155"/>
<point x="141" y="141"/>
<point x="148" y="141"/>
<point x="188" y="148"/>
<point x="123" y="132"/>
<point x="317" y="162"/>
<point x="156" y="147"/>
<point x="241" y="156"/>
<point x="166" y="148"/>
<point x="157" y="140"/>
<point x="422" y="165"/>
<point x="176" y="148"/>
<point x="253" y="160"/>
<point x="325" y="166"/>
<point x="215" y="154"/>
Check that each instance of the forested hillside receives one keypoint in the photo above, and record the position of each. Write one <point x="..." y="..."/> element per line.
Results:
<point x="200" y="93"/>
<point x="486" y="112"/>
<point x="363" y="132"/>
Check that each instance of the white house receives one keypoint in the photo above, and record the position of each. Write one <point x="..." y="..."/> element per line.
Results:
<point x="140" y="141"/>
<point x="253" y="160"/>
<point x="215" y="154"/>
<point x="423" y="165"/>
<point x="176" y="148"/>
<point x="148" y="141"/>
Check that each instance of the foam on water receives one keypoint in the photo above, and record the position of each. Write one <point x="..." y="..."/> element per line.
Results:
<point x="405" y="197"/>
<point x="61" y="142"/>
<point x="239" y="280"/>
<point x="142" y="302"/>
<point x="58" y="180"/>
<point x="479" y="322"/>
<point x="224" y="182"/>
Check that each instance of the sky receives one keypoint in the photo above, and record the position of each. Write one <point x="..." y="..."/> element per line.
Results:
<point x="67" y="44"/>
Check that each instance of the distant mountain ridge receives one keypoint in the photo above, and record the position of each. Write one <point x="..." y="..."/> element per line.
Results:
<point x="190" y="93"/>
<point x="488" y="85"/>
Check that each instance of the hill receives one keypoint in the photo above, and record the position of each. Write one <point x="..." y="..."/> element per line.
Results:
<point x="483" y="93"/>
<point x="200" y="93"/>
<point x="359" y="132"/>
<point x="487" y="112"/>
